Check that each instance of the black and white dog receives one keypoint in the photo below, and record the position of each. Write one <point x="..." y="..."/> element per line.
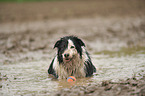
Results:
<point x="72" y="59"/>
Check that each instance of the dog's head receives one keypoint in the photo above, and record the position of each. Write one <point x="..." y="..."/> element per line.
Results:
<point x="68" y="48"/>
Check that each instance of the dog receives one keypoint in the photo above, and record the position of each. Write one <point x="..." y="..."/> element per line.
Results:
<point x="72" y="59"/>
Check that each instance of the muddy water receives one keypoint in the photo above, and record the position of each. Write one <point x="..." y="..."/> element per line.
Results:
<point x="31" y="78"/>
<point x="24" y="59"/>
<point x="27" y="38"/>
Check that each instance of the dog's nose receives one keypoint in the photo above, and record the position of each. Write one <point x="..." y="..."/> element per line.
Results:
<point x="66" y="55"/>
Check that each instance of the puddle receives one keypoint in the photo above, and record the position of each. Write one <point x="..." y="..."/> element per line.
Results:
<point x="31" y="78"/>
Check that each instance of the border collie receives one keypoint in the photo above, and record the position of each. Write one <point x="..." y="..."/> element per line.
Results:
<point x="72" y="59"/>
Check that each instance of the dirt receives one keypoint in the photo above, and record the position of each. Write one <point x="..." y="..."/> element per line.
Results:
<point x="130" y="87"/>
<point x="30" y="28"/>
<point x="31" y="11"/>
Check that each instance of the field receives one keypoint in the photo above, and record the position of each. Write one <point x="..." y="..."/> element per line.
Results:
<point x="11" y="12"/>
<point x="113" y="31"/>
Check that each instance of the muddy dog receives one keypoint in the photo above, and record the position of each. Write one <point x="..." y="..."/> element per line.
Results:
<point x="72" y="59"/>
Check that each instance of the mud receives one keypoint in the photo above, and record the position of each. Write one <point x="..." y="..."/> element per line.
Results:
<point x="130" y="87"/>
<point x="114" y="33"/>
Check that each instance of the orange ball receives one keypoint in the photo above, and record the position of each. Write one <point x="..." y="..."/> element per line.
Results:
<point x="71" y="79"/>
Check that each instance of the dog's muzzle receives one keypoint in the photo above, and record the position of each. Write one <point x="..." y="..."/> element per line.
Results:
<point x="67" y="57"/>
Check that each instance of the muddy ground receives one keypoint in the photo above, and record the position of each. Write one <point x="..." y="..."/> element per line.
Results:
<point x="30" y="28"/>
<point x="130" y="87"/>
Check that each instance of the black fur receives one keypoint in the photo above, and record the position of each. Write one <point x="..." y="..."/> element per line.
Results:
<point x="51" y="70"/>
<point x="90" y="68"/>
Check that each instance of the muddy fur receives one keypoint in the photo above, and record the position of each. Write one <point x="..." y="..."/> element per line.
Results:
<point x="77" y="63"/>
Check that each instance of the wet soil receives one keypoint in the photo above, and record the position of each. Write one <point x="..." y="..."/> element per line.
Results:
<point x="130" y="87"/>
<point x="28" y="32"/>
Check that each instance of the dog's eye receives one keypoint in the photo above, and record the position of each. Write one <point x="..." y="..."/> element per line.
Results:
<point x="72" y="47"/>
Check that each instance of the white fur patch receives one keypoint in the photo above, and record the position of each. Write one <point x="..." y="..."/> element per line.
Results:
<point x="70" y="49"/>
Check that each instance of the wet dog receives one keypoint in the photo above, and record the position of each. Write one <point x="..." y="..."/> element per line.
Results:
<point x="72" y="59"/>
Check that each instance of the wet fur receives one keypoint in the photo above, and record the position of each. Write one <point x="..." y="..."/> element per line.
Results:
<point x="80" y="64"/>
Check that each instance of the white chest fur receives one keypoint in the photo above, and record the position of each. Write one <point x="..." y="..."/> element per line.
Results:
<point x="73" y="68"/>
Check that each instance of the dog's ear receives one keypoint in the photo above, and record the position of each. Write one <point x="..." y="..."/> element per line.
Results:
<point x="80" y="42"/>
<point x="57" y="44"/>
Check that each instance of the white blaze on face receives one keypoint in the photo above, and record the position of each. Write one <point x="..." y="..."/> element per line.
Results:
<point x="71" y="50"/>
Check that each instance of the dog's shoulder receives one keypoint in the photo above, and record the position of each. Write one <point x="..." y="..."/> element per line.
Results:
<point x="89" y="67"/>
<point x="51" y="69"/>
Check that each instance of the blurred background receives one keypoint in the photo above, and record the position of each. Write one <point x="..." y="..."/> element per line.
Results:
<point x="119" y="23"/>
<point x="30" y="28"/>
